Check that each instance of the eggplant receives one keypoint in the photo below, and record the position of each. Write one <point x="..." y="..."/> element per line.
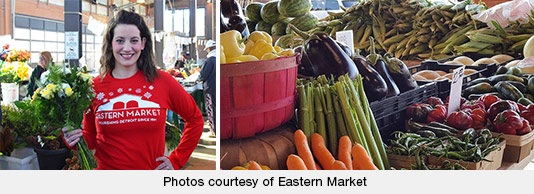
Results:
<point x="378" y="63"/>
<point x="305" y="68"/>
<point x="232" y="18"/>
<point x="346" y="49"/>
<point x="325" y="55"/>
<point x="400" y="73"/>
<point x="374" y="85"/>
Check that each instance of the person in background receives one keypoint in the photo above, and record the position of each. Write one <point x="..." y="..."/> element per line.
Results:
<point x="45" y="58"/>
<point x="207" y="76"/>
<point x="126" y="122"/>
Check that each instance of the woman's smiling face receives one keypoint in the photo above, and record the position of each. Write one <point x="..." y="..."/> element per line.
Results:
<point x="127" y="45"/>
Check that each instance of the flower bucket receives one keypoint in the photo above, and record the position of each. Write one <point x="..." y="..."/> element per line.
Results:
<point x="257" y="96"/>
<point x="20" y="159"/>
<point x="52" y="159"/>
<point x="10" y="92"/>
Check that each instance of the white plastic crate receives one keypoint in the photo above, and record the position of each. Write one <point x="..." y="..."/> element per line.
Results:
<point x="20" y="159"/>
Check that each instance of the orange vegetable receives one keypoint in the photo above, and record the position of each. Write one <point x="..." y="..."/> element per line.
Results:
<point x="317" y="166"/>
<point x="338" y="165"/>
<point x="345" y="146"/>
<point x="361" y="159"/>
<point x="294" y="162"/>
<point x="252" y="165"/>
<point x="303" y="150"/>
<point x="321" y="152"/>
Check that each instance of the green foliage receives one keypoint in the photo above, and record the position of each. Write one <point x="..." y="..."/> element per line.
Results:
<point x="21" y="121"/>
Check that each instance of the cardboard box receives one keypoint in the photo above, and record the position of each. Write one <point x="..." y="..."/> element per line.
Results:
<point x="495" y="156"/>
<point x="517" y="147"/>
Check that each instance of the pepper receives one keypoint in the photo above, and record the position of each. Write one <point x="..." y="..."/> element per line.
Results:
<point x="437" y="115"/>
<point x="260" y="48"/>
<point x="460" y="120"/>
<point x="508" y="122"/>
<point x="525" y="129"/>
<point x="222" y="57"/>
<point x="498" y="107"/>
<point x="473" y="104"/>
<point x="248" y="47"/>
<point x="479" y="118"/>
<point x="233" y="44"/>
<point x="528" y="114"/>
<point x="325" y="55"/>
<point x="418" y="112"/>
<point x="232" y="17"/>
<point x="488" y="100"/>
<point x="260" y="35"/>
<point x="434" y="101"/>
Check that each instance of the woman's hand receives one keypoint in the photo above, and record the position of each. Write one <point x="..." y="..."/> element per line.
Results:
<point x="72" y="137"/>
<point x="166" y="164"/>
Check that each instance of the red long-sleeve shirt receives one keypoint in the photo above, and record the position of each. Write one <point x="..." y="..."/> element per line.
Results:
<point x="126" y="122"/>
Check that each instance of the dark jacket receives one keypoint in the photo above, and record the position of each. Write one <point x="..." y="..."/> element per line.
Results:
<point x="36" y="75"/>
<point x="207" y="75"/>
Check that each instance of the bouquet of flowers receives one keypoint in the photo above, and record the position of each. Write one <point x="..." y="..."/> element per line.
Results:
<point x="14" y="72"/>
<point x="61" y="100"/>
<point x="17" y="55"/>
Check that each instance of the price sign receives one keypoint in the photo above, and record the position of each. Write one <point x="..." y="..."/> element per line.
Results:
<point x="71" y="45"/>
<point x="456" y="89"/>
<point x="346" y="38"/>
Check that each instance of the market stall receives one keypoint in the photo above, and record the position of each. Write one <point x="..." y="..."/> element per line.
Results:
<point x="400" y="84"/>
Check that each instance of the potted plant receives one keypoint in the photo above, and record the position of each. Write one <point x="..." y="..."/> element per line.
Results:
<point x="59" y="101"/>
<point x="17" y="124"/>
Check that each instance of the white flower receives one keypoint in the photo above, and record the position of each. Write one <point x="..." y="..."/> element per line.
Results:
<point x="44" y="77"/>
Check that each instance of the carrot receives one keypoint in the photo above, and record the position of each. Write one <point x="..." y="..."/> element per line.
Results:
<point x="317" y="166"/>
<point x="343" y="154"/>
<point x="252" y="165"/>
<point x="303" y="150"/>
<point x="294" y="162"/>
<point x="362" y="160"/>
<point x="338" y="165"/>
<point x="354" y="166"/>
<point x="321" y="152"/>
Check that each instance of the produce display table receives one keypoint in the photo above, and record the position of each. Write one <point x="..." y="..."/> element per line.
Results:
<point x="518" y="166"/>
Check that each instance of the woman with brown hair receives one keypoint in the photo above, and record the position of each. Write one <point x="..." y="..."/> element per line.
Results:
<point x="126" y="122"/>
<point x="45" y="58"/>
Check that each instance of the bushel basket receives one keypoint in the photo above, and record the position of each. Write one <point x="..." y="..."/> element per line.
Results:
<point x="257" y="96"/>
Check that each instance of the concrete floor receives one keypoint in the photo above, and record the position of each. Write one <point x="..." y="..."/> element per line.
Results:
<point x="204" y="157"/>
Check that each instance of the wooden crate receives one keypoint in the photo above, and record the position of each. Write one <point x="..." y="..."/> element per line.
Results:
<point x="495" y="156"/>
<point x="517" y="147"/>
<point x="400" y="162"/>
